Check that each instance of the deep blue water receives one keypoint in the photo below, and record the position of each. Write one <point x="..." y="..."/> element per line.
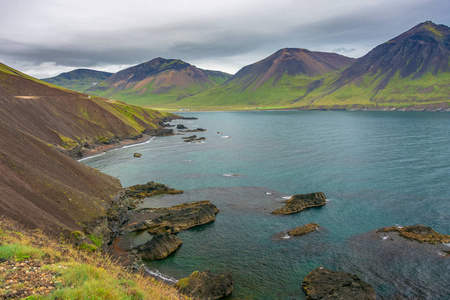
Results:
<point x="377" y="169"/>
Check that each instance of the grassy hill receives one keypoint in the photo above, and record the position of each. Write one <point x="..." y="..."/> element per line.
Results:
<point x="78" y="80"/>
<point x="158" y="82"/>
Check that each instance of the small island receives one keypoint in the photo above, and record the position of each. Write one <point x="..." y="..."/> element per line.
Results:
<point x="299" y="202"/>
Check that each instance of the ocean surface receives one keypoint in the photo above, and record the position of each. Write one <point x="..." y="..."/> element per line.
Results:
<point x="377" y="169"/>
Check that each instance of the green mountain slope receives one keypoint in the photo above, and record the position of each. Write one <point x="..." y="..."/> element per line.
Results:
<point x="277" y="81"/>
<point x="78" y="80"/>
<point x="158" y="83"/>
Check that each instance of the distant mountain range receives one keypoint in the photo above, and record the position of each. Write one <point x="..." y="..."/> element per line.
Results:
<point x="408" y="72"/>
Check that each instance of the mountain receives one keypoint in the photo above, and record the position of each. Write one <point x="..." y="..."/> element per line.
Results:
<point x="288" y="62"/>
<point x="78" y="80"/>
<point x="159" y="81"/>
<point x="410" y="72"/>
<point x="274" y="82"/>
<point x="41" y="186"/>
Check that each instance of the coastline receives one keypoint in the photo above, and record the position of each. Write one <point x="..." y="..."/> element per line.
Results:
<point x="104" y="148"/>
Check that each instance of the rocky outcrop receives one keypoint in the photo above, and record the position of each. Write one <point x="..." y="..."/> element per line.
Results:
<point x="149" y="189"/>
<point x="196" y="130"/>
<point x="300" y="202"/>
<point x="323" y="283"/>
<point x="181" y="126"/>
<point x="159" y="247"/>
<point x="206" y="286"/>
<point x="193" y="138"/>
<point x="182" y="217"/>
<point x="305" y="229"/>
<point x="420" y="233"/>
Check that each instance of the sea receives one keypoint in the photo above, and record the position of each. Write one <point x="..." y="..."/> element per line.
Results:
<point x="377" y="169"/>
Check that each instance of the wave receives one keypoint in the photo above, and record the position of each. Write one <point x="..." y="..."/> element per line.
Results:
<point x="446" y="244"/>
<point x="225" y="136"/>
<point x="134" y="145"/>
<point x="230" y="175"/>
<point x="286" y="236"/>
<point x="158" y="274"/>
<point x="103" y="153"/>
<point x="287" y="197"/>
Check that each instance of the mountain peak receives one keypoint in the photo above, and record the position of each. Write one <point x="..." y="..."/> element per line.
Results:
<point x="426" y="31"/>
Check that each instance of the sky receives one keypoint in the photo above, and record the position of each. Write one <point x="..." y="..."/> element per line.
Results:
<point x="44" y="38"/>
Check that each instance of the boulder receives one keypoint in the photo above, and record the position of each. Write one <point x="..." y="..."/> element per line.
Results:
<point x="159" y="247"/>
<point x="149" y="189"/>
<point x="310" y="227"/>
<point x="181" y="126"/>
<point x="323" y="283"/>
<point x="301" y="201"/>
<point x="207" y="286"/>
<point x="137" y="154"/>
<point x="420" y="233"/>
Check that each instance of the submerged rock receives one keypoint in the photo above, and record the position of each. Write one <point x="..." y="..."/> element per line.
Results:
<point x="149" y="189"/>
<point x="204" y="285"/>
<point x="310" y="227"/>
<point x="300" y="202"/>
<point x="323" y="283"/>
<point x="420" y="233"/>
<point x="159" y="247"/>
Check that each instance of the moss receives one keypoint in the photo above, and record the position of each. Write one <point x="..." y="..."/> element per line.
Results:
<point x="97" y="240"/>
<point x="88" y="247"/>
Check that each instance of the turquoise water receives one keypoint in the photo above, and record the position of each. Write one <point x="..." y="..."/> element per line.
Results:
<point x="376" y="168"/>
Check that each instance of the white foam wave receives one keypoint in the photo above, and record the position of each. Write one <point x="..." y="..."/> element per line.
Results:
<point x="287" y="236"/>
<point x="385" y="237"/>
<point x="103" y="153"/>
<point x="160" y="275"/>
<point x="287" y="197"/>
<point x="446" y="244"/>
<point x="267" y="193"/>
<point x="229" y="175"/>
<point x="134" y="145"/>
<point x="225" y="136"/>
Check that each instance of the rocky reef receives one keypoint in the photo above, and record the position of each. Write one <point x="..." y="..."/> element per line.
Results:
<point x="299" y="202"/>
<point x="193" y="138"/>
<point x="149" y="189"/>
<point x="420" y="233"/>
<point x="323" y="283"/>
<point x="159" y="247"/>
<point x="205" y="285"/>
<point x="173" y="219"/>
<point x="305" y="229"/>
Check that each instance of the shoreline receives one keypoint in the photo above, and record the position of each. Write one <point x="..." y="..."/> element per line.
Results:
<point x="102" y="149"/>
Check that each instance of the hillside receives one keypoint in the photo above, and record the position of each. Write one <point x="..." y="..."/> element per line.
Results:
<point x="158" y="82"/>
<point x="40" y="186"/>
<point x="410" y="71"/>
<point x="78" y="80"/>
<point x="275" y="82"/>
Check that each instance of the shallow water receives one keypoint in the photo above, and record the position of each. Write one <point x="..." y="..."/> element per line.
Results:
<point x="377" y="169"/>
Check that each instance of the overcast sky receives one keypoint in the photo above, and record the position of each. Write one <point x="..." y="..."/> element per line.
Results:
<point x="46" y="37"/>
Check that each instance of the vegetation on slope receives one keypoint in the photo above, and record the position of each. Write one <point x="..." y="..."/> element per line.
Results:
<point x="36" y="266"/>
<point x="78" y="80"/>
<point x="158" y="82"/>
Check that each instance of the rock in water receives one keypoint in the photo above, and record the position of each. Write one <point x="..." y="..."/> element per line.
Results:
<point x="159" y="247"/>
<point x="181" y="126"/>
<point x="204" y="285"/>
<point x="310" y="227"/>
<point x="137" y="155"/>
<point x="323" y="283"/>
<point x="300" y="202"/>
<point x="181" y="217"/>
<point x="149" y="189"/>
<point x="420" y="233"/>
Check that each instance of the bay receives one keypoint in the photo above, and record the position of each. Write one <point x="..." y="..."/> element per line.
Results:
<point x="376" y="168"/>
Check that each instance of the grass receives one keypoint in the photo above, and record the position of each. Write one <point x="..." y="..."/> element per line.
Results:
<point x="73" y="273"/>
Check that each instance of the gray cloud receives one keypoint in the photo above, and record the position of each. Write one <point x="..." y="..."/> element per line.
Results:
<point x="44" y="37"/>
